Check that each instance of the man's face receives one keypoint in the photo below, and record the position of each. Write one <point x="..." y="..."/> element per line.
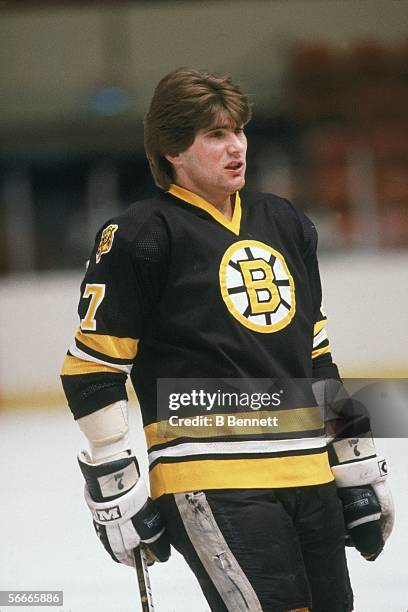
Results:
<point x="214" y="165"/>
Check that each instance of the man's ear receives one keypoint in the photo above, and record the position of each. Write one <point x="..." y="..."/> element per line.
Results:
<point x="173" y="159"/>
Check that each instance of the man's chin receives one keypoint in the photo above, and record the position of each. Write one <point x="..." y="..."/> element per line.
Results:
<point x="237" y="184"/>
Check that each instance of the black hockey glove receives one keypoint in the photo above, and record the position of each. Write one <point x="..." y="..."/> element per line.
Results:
<point x="124" y="516"/>
<point x="367" y="504"/>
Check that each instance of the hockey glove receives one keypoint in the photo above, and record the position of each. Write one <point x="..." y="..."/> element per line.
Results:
<point x="124" y="516"/>
<point x="367" y="501"/>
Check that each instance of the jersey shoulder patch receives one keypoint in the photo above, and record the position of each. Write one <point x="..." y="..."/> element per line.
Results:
<point x="106" y="241"/>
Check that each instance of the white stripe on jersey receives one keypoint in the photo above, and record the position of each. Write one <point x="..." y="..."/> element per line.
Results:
<point x="76" y="352"/>
<point x="318" y="339"/>
<point x="188" y="449"/>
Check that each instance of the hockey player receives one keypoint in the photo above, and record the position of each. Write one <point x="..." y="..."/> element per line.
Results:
<point x="205" y="281"/>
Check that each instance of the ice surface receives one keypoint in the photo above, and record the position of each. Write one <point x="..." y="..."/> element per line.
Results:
<point x="47" y="540"/>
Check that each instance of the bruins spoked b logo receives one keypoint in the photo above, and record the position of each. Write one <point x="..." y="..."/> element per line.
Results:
<point x="257" y="286"/>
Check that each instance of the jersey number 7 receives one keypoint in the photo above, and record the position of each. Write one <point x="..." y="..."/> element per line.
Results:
<point x="96" y="293"/>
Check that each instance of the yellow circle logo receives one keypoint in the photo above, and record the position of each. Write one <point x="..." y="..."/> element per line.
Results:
<point x="257" y="287"/>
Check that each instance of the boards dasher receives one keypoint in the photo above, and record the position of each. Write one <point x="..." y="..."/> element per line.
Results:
<point x="206" y="280"/>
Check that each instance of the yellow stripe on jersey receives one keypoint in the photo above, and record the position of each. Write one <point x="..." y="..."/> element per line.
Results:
<point x="111" y="346"/>
<point x="270" y="472"/>
<point x="299" y="420"/>
<point x="319" y="326"/>
<point x="322" y="351"/>
<point x="194" y="199"/>
<point x="74" y="366"/>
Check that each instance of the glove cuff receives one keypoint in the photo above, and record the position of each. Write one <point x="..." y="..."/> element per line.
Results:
<point x="107" y="481"/>
<point x="344" y="450"/>
<point x="360" y="473"/>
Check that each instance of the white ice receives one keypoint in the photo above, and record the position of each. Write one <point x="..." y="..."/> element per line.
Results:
<point x="47" y="540"/>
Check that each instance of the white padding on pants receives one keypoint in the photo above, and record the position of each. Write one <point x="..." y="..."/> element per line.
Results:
<point x="219" y="562"/>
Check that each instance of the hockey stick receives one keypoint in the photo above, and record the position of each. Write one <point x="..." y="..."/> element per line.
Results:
<point x="143" y="580"/>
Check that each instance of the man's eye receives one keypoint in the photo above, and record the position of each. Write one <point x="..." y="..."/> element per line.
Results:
<point x="218" y="134"/>
<point x="239" y="130"/>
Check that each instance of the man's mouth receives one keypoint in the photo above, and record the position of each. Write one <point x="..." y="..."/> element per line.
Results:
<point x="234" y="165"/>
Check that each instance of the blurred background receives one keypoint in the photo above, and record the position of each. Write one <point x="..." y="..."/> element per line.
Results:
<point x="329" y="83"/>
<point x="328" y="80"/>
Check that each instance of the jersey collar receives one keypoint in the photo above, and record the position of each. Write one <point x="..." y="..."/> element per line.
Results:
<point x="196" y="200"/>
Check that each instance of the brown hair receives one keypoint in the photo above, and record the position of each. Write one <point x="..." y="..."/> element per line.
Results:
<point x="184" y="102"/>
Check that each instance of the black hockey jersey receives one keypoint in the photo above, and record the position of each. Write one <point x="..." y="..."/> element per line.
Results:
<point x="174" y="290"/>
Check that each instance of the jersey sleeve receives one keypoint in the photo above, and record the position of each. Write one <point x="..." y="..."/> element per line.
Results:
<point x="118" y="294"/>
<point x="323" y="365"/>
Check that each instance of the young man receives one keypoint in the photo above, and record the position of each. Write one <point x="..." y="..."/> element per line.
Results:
<point x="203" y="282"/>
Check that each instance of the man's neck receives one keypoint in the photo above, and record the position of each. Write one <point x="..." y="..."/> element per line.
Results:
<point x="227" y="208"/>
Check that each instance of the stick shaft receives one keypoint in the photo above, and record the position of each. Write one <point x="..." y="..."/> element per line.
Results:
<point x="143" y="580"/>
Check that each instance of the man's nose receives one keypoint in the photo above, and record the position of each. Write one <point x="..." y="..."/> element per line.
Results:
<point x="235" y="143"/>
